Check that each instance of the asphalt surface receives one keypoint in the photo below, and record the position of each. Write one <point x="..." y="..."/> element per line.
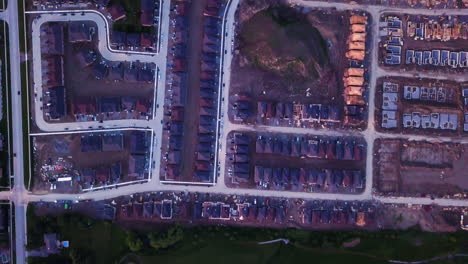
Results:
<point x="10" y="15"/>
<point x="21" y="197"/>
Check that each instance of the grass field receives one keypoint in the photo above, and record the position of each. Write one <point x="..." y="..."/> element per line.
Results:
<point x="5" y="162"/>
<point x="24" y="98"/>
<point x="225" y="251"/>
<point x="105" y="242"/>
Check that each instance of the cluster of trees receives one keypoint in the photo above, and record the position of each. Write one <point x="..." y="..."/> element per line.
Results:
<point x="156" y="240"/>
<point x="131" y="23"/>
<point x="37" y="226"/>
<point x="71" y="256"/>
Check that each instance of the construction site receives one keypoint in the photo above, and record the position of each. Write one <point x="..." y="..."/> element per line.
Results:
<point x="420" y="168"/>
<point x="421" y="106"/>
<point x="79" y="162"/>
<point x="425" y="43"/>
<point x="321" y="77"/>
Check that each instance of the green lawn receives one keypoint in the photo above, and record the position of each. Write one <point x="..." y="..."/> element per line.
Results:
<point x="413" y="245"/>
<point x="5" y="161"/>
<point x="24" y="99"/>
<point x="248" y="252"/>
<point x="105" y="242"/>
<point x="26" y="118"/>
<point x="103" y="238"/>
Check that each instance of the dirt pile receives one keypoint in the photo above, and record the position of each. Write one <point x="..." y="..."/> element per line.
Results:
<point x="283" y="42"/>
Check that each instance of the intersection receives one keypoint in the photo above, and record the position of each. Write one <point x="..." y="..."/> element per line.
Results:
<point x="20" y="197"/>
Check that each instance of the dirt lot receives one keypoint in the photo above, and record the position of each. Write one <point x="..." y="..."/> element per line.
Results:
<point x="428" y="218"/>
<point x="455" y="105"/>
<point x="284" y="160"/>
<point x="275" y="59"/>
<point x="62" y="156"/>
<point x="421" y="168"/>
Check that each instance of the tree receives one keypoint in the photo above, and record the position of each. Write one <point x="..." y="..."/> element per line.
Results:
<point x="78" y="256"/>
<point x="134" y="243"/>
<point x="166" y="239"/>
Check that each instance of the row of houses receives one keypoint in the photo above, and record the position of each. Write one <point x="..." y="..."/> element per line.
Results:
<point x="131" y="72"/>
<point x="353" y="77"/>
<point x="212" y="210"/>
<point x="203" y="165"/>
<point x="242" y="110"/>
<point x="52" y="35"/>
<point x="391" y="31"/>
<point x="317" y="147"/>
<point x="70" y="4"/>
<point x="52" y="71"/>
<point x="262" y="213"/>
<point x="177" y="91"/>
<point x="162" y="209"/>
<point x="343" y="216"/>
<point x="135" y="40"/>
<point x="390" y="105"/>
<point x="91" y="109"/>
<point x="239" y="209"/>
<point x="429" y="94"/>
<point x="209" y="82"/>
<point x="139" y="142"/>
<point x="353" y="80"/>
<point x="437" y="30"/>
<point x="454" y="59"/>
<point x="54" y="103"/>
<point x="390" y="110"/>
<point x="148" y="14"/>
<point x="111" y="108"/>
<point x="52" y="64"/>
<point x="307" y="179"/>
<point x="102" y="176"/>
<point x="123" y="40"/>
<point x="357" y="38"/>
<point x="176" y="87"/>
<point x="298" y="112"/>
<point x="238" y="161"/>
<point x="444" y="121"/>
<point x="139" y="146"/>
<point x="465" y="108"/>
<point x="54" y="93"/>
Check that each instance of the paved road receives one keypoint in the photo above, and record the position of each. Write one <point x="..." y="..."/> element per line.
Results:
<point x="10" y="15"/>
<point x="20" y="196"/>
<point x="113" y="55"/>
<point x="224" y="126"/>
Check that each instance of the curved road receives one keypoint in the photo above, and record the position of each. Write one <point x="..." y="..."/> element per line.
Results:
<point x="21" y="197"/>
